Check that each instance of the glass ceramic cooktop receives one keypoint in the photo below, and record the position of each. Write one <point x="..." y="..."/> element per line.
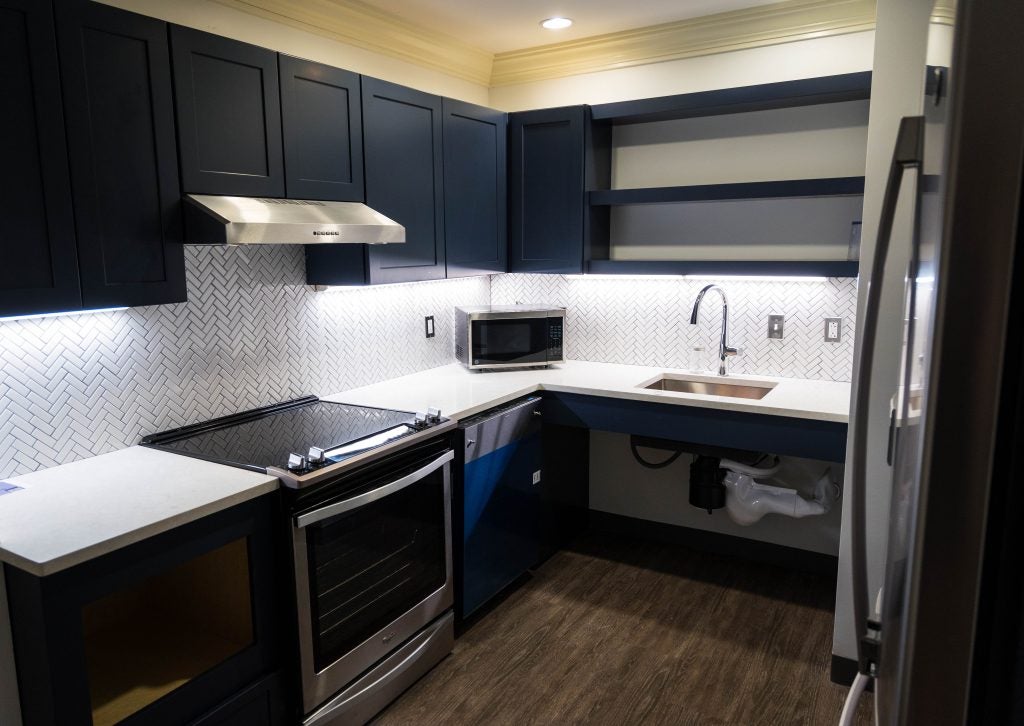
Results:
<point x="265" y="440"/>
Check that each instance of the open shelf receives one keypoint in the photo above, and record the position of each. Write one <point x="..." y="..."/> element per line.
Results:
<point x="791" y="268"/>
<point x="826" y="187"/>
<point x="786" y="94"/>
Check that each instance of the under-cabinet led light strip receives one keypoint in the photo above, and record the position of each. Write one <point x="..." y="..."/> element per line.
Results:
<point x="726" y="278"/>
<point x="65" y="313"/>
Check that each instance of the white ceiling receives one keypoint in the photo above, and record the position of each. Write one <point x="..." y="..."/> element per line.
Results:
<point x="503" y="25"/>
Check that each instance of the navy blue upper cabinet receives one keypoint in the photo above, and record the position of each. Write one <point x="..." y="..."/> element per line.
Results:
<point x="229" y="116"/>
<point x="404" y="179"/>
<point x="116" y="75"/>
<point x="546" y="190"/>
<point x="475" y="222"/>
<point x="37" y="239"/>
<point x="323" y="131"/>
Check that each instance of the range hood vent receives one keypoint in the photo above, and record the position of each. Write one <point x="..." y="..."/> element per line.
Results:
<point x="258" y="221"/>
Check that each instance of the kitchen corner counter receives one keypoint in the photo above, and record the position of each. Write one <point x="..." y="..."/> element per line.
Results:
<point x="76" y="512"/>
<point x="459" y="392"/>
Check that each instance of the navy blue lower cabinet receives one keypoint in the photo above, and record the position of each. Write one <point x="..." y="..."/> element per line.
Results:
<point x="497" y="502"/>
<point x="171" y="630"/>
<point x="264" y="703"/>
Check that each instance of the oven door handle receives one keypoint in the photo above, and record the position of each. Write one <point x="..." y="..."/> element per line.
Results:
<point x="347" y="505"/>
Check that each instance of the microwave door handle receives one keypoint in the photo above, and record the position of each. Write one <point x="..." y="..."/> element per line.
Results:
<point x="347" y="505"/>
<point x="907" y="156"/>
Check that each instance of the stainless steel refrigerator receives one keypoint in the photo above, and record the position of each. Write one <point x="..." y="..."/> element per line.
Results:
<point x="946" y="646"/>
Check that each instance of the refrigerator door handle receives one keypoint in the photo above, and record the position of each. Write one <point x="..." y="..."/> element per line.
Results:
<point x="908" y="155"/>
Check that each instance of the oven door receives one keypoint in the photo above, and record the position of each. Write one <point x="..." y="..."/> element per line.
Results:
<point x="496" y="342"/>
<point x="373" y="566"/>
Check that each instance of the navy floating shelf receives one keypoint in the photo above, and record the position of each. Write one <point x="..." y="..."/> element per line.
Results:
<point x="794" y="268"/>
<point x="828" y="187"/>
<point x="787" y="94"/>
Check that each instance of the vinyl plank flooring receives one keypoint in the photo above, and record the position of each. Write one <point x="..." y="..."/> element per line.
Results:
<point x="622" y="631"/>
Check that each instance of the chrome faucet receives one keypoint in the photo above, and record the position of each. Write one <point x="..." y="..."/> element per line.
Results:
<point x="724" y="351"/>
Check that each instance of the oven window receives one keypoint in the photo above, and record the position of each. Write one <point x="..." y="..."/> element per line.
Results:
<point x="371" y="565"/>
<point x="514" y="340"/>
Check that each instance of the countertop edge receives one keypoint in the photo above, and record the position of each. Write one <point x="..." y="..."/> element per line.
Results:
<point x="126" y="539"/>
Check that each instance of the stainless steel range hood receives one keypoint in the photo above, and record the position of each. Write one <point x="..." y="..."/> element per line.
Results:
<point x="259" y="221"/>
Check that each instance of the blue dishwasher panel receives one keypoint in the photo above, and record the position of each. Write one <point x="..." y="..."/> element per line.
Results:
<point x="500" y="506"/>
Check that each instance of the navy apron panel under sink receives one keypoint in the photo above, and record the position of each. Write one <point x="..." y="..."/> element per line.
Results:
<point x="498" y="502"/>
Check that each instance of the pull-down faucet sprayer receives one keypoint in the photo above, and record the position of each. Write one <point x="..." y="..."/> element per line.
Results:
<point x="724" y="351"/>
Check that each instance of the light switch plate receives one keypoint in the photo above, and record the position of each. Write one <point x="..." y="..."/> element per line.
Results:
<point x="536" y="477"/>
<point x="776" y="326"/>
<point x="833" y="330"/>
<point x="428" y="323"/>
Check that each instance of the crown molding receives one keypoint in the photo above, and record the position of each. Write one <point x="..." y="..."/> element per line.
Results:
<point x="361" y="25"/>
<point x="781" y="22"/>
<point x="364" y="26"/>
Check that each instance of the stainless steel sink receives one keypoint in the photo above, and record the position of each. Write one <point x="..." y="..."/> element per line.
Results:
<point x="681" y="384"/>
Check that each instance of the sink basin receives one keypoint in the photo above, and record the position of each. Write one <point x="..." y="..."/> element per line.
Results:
<point x="682" y="384"/>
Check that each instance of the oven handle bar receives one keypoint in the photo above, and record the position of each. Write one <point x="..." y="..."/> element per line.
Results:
<point x="347" y="505"/>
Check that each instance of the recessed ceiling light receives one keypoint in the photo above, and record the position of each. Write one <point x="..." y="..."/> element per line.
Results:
<point x="556" y="23"/>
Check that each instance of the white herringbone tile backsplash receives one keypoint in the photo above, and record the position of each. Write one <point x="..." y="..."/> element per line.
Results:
<point x="250" y="334"/>
<point x="645" y="321"/>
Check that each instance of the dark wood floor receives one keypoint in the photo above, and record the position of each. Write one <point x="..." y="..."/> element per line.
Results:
<point x="620" y="631"/>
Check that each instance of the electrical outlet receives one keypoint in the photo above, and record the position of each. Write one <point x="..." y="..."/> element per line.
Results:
<point x="428" y="323"/>
<point x="833" y="330"/>
<point x="536" y="478"/>
<point x="776" y="326"/>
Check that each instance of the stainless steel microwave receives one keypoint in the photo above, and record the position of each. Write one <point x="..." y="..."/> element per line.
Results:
<point x="509" y="336"/>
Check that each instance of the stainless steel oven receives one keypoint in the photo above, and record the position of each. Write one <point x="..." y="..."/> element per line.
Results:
<point x="506" y="336"/>
<point x="373" y="573"/>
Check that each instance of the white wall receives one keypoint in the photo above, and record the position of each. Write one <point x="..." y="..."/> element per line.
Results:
<point x="231" y="23"/>
<point x="784" y="62"/>
<point x="901" y="38"/>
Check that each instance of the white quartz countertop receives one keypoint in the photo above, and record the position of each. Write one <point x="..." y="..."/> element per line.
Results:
<point x="459" y="392"/>
<point x="75" y="512"/>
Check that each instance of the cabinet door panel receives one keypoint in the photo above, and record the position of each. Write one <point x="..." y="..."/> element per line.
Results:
<point x="37" y="241"/>
<point x="402" y="144"/>
<point x="474" y="189"/>
<point x="229" y="115"/>
<point x="323" y="131"/>
<point x="547" y="195"/>
<point x="116" y="72"/>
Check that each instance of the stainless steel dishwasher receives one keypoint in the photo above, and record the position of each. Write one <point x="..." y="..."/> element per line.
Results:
<point x="497" y="501"/>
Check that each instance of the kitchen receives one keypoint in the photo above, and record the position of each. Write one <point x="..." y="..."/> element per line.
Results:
<point x="417" y="362"/>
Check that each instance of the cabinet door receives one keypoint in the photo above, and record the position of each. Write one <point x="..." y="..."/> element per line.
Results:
<point x="264" y="703"/>
<point x="475" y="224"/>
<point x="547" y="196"/>
<point x="157" y="633"/>
<point x="499" y="503"/>
<point x="37" y="239"/>
<point x="323" y="131"/>
<point x="116" y="72"/>
<point x="402" y="146"/>
<point x="229" y="115"/>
